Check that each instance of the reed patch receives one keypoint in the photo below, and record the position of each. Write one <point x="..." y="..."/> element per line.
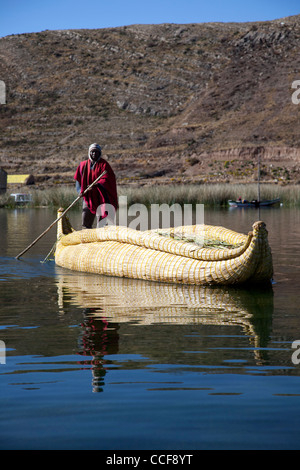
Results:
<point x="211" y="195"/>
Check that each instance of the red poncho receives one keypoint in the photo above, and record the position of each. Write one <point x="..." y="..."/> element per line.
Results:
<point x="104" y="192"/>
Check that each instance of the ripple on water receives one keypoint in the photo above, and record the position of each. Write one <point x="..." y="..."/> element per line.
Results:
<point x="11" y="268"/>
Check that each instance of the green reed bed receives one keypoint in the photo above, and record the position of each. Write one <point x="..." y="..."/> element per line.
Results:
<point x="208" y="194"/>
<point x="55" y="197"/>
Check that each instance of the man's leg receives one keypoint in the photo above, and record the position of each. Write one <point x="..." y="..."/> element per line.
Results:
<point x="87" y="217"/>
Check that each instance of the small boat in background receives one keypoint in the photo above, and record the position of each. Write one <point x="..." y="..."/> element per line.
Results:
<point x="256" y="202"/>
<point x="21" y="198"/>
<point x="243" y="203"/>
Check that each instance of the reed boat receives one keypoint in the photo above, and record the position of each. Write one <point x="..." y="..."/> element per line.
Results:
<point x="196" y="254"/>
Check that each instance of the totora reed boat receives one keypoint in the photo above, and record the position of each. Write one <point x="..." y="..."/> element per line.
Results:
<point x="198" y="254"/>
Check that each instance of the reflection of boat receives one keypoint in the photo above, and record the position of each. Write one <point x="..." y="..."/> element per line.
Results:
<point x="120" y="251"/>
<point x="133" y="301"/>
<point x="121" y="317"/>
<point x="266" y="203"/>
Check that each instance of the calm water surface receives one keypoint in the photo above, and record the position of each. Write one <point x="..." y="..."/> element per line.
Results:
<point x="92" y="362"/>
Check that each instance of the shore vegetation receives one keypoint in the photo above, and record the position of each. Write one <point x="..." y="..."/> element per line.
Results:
<point x="211" y="195"/>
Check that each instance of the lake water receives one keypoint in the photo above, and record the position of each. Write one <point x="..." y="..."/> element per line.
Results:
<point x="92" y="362"/>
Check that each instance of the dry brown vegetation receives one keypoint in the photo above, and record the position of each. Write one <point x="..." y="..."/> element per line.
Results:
<point x="169" y="103"/>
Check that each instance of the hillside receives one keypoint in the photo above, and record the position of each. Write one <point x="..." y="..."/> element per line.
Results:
<point x="168" y="103"/>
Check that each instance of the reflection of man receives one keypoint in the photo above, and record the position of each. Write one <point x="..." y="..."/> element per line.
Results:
<point x="99" y="339"/>
<point x="102" y="199"/>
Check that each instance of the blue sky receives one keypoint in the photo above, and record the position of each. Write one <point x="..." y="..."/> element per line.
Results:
<point x="26" y="16"/>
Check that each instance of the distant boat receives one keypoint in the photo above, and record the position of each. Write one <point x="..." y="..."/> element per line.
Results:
<point x="21" y="198"/>
<point x="239" y="203"/>
<point x="256" y="202"/>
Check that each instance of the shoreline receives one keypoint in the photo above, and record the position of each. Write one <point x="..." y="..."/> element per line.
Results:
<point x="210" y="194"/>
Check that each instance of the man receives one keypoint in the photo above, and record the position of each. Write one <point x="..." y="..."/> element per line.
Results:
<point x="102" y="200"/>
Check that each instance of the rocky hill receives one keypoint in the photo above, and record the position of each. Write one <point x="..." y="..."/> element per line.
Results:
<point x="168" y="103"/>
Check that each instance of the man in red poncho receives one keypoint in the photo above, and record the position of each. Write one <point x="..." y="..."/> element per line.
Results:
<point x="102" y="199"/>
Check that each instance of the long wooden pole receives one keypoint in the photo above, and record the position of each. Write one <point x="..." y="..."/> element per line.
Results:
<point x="61" y="216"/>
<point x="258" y="178"/>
